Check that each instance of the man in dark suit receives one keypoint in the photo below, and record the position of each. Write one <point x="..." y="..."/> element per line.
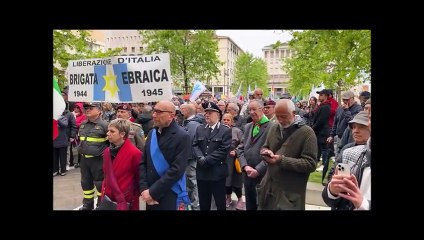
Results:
<point x="175" y="145"/>
<point x="251" y="162"/>
<point x="211" y="146"/>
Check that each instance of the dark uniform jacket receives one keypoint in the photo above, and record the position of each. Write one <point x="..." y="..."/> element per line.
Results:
<point x="215" y="148"/>
<point x="93" y="139"/>
<point x="67" y="129"/>
<point x="174" y="143"/>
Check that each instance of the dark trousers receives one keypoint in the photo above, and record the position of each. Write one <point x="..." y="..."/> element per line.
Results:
<point x="92" y="173"/>
<point x="236" y="190"/>
<point x="59" y="156"/>
<point x="207" y="189"/>
<point x="71" y="156"/>
<point x="250" y="191"/>
<point x="323" y="150"/>
<point x="167" y="202"/>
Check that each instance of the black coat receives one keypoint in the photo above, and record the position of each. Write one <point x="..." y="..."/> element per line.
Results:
<point x="175" y="145"/>
<point x="320" y="122"/>
<point x="215" y="148"/>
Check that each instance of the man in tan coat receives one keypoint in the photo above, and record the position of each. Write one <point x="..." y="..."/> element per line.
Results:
<point x="291" y="152"/>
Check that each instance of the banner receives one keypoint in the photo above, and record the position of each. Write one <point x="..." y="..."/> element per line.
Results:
<point x="127" y="79"/>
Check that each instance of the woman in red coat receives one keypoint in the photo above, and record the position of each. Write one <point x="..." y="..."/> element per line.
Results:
<point x="120" y="184"/>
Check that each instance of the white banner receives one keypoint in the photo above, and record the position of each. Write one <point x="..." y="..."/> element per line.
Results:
<point x="129" y="79"/>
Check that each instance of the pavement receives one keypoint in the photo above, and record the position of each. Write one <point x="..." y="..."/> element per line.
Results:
<point x="67" y="193"/>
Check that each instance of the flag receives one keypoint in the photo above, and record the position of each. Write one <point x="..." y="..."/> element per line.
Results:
<point x="238" y="92"/>
<point x="59" y="106"/>
<point x="198" y="89"/>
<point x="248" y="92"/>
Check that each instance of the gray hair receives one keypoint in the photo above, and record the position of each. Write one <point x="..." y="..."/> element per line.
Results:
<point x="123" y="125"/>
<point x="290" y="104"/>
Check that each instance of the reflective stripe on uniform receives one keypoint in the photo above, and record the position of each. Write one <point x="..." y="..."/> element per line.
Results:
<point x="88" y="156"/>
<point x="93" y="139"/>
<point x="89" y="193"/>
<point x="99" y="194"/>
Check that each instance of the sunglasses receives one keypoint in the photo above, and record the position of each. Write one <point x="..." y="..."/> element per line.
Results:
<point x="157" y="111"/>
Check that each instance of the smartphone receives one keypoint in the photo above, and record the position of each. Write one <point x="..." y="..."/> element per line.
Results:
<point x="343" y="169"/>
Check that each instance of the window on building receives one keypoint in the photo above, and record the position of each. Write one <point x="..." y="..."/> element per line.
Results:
<point x="132" y="49"/>
<point x="272" y="54"/>
<point x="125" y="49"/>
<point x="266" y="54"/>
<point x="141" y="49"/>
<point x="218" y="90"/>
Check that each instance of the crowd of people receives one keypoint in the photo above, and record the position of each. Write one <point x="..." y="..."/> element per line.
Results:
<point x="169" y="151"/>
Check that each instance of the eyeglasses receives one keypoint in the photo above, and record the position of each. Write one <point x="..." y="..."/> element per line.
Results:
<point x="157" y="111"/>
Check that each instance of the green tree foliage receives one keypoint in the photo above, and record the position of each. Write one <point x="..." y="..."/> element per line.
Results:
<point x="250" y="71"/>
<point x="73" y="45"/>
<point x="340" y="59"/>
<point x="193" y="53"/>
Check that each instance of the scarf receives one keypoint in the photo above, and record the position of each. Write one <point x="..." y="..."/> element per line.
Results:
<point x="255" y="130"/>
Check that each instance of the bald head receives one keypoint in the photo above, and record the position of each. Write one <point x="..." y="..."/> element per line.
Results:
<point x="285" y="112"/>
<point x="163" y="114"/>
<point x="188" y="109"/>
<point x="257" y="93"/>
<point x="166" y="106"/>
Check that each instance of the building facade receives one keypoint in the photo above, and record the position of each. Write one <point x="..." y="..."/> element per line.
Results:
<point x="228" y="53"/>
<point x="277" y="78"/>
<point x="128" y="40"/>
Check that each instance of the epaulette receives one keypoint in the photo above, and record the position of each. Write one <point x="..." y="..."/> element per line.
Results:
<point x="138" y="125"/>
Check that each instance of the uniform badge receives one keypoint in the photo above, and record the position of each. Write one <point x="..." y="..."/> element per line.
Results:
<point x="209" y="105"/>
<point x="82" y="125"/>
<point x="97" y="127"/>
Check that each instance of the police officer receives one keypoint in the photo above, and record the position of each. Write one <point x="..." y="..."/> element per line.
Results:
<point x="136" y="134"/>
<point x="211" y="146"/>
<point x="93" y="141"/>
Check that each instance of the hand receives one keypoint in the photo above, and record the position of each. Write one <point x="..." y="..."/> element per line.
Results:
<point x="330" y="139"/>
<point x="233" y="153"/>
<point x="251" y="172"/>
<point x="201" y="161"/>
<point x="145" y="196"/>
<point x="351" y="192"/>
<point x="336" y="183"/>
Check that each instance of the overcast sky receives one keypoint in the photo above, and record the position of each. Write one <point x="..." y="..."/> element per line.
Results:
<point x="254" y="40"/>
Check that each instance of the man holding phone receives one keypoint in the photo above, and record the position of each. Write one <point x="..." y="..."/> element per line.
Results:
<point x="290" y="150"/>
